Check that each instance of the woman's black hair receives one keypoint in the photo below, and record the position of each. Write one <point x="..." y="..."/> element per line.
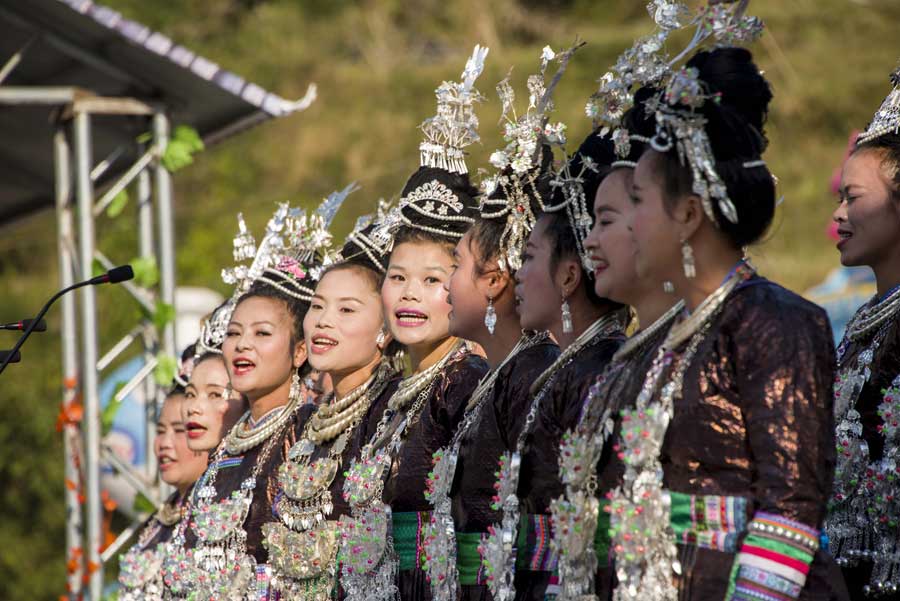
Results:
<point x="465" y="192"/>
<point x="888" y="147"/>
<point x="735" y="126"/>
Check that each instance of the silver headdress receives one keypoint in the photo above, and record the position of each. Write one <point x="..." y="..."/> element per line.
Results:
<point x="433" y="206"/>
<point x="887" y="119"/>
<point x="679" y="123"/>
<point x="290" y="257"/>
<point x="369" y="242"/>
<point x="647" y="63"/>
<point x="519" y="162"/>
<point x="455" y="126"/>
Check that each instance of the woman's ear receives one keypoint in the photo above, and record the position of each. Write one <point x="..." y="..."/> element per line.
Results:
<point x="300" y="353"/>
<point x="496" y="283"/>
<point x="690" y="215"/>
<point x="568" y="276"/>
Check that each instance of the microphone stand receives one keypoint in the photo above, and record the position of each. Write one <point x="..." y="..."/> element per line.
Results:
<point x="37" y="319"/>
<point x="113" y="276"/>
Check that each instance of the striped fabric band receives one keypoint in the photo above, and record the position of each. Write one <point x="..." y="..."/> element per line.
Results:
<point x="773" y="561"/>
<point x="407" y="531"/>
<point x="223" y="464"/>
<point x="263" y="580"/>
<point x="468" y="559"/>
<point x="533" y="545"/>
<point x="709" y="522"/>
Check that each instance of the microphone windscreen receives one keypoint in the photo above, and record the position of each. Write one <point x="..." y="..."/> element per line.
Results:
<point x="120" y="274"/>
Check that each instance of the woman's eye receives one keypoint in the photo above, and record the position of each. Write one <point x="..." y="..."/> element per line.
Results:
<point x="231" y="333"/>
<point x="189" y="395"/>
<point x="397" y="278"/>
<point x="347" y="310"/>
<point x="180" y="430"/>
<point x="315" y="306"/>
<point x="263" y="333"/>
<point x="605" y="222"/>
<point x="432" y="280"/>
<point x="215" y="395"/>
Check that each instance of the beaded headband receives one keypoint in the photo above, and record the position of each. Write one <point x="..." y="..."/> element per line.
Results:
<point x="519" y="162"/>
<point x="455" y="125"/>
<point x="887" y="118"/>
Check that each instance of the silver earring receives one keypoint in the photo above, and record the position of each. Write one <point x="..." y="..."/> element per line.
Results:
<point x="490" y="317"/>
<point x="295" y="392"/>
<point x="566" y="317"/>
<point x="379" y="340"/>
<point x="668" y="287"/>
<point x="687" y="258"/>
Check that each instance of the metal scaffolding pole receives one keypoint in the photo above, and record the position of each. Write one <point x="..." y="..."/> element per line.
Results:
<point x="90" y="376"/>
<point x="151" y="345"/>
<point x="63" y="177"/>
<point x="166" y="219"/>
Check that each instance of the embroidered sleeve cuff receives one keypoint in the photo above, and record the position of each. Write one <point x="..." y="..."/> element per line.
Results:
<point x="773" y="561"/>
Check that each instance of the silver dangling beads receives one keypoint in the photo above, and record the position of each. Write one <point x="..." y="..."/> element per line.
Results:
<point x="668" y="287"/>
<point x="490" y="317"/>
<point x="379" y="340"/>
<point x="566" y="317"/>
<point x="687" y="258"/>
<point x="296" y="392"/>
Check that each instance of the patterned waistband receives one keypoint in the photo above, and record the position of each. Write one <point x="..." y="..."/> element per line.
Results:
<point x="468" y="559"/>
<point x="533" y="550"/>
<point x="262" y="590"/>
<point x="407" y="529"/>
<point x="709" y="522"/>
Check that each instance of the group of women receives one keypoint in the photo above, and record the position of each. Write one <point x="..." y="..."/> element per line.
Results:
<point x="451" y="407"/>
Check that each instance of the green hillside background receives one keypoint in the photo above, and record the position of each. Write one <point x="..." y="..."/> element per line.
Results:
<point x="376" y="65"/>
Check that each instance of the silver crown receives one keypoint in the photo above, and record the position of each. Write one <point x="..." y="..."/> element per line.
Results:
<point x="887" y="118"/>
<point x="455" y="126"/>
<point x="519" y="162"/>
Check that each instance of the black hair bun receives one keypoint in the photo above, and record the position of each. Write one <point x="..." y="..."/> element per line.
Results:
<point x="736" y="120"/>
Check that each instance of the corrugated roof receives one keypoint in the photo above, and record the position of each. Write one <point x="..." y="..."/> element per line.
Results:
<point x="82" y="44"/>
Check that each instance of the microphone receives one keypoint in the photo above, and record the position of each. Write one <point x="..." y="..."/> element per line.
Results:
<point x="40" y="326"/>
<point x="113" y="276"/>
<point x="10" y="357"/>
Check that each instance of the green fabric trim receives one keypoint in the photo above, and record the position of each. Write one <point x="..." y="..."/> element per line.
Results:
<point x="406" y="534"/>
<point x="602" y="537"/>
<point x="778" y="546"/>
<point x="468" y="559"/>
<point x="522" y="542"/>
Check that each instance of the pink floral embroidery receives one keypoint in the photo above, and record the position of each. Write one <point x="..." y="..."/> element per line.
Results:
<point x="291" y="266"/>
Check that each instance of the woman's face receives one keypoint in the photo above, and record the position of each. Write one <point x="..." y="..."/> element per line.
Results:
<point x="179" y="466"/>
<point x="538" y="298"/>
<point x="610" y="243"/>
<point x="469" y="302"/>
<point x="657" y="248"/>
<point x="210" y="407"/>
<point x="343" y="322"/>
<point x="413" y="295"/>
<point x="257" y="347"/>
<point x="868" y="217"/>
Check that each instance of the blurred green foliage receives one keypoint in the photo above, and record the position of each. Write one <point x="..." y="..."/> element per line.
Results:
<point x="376" y="64"/>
